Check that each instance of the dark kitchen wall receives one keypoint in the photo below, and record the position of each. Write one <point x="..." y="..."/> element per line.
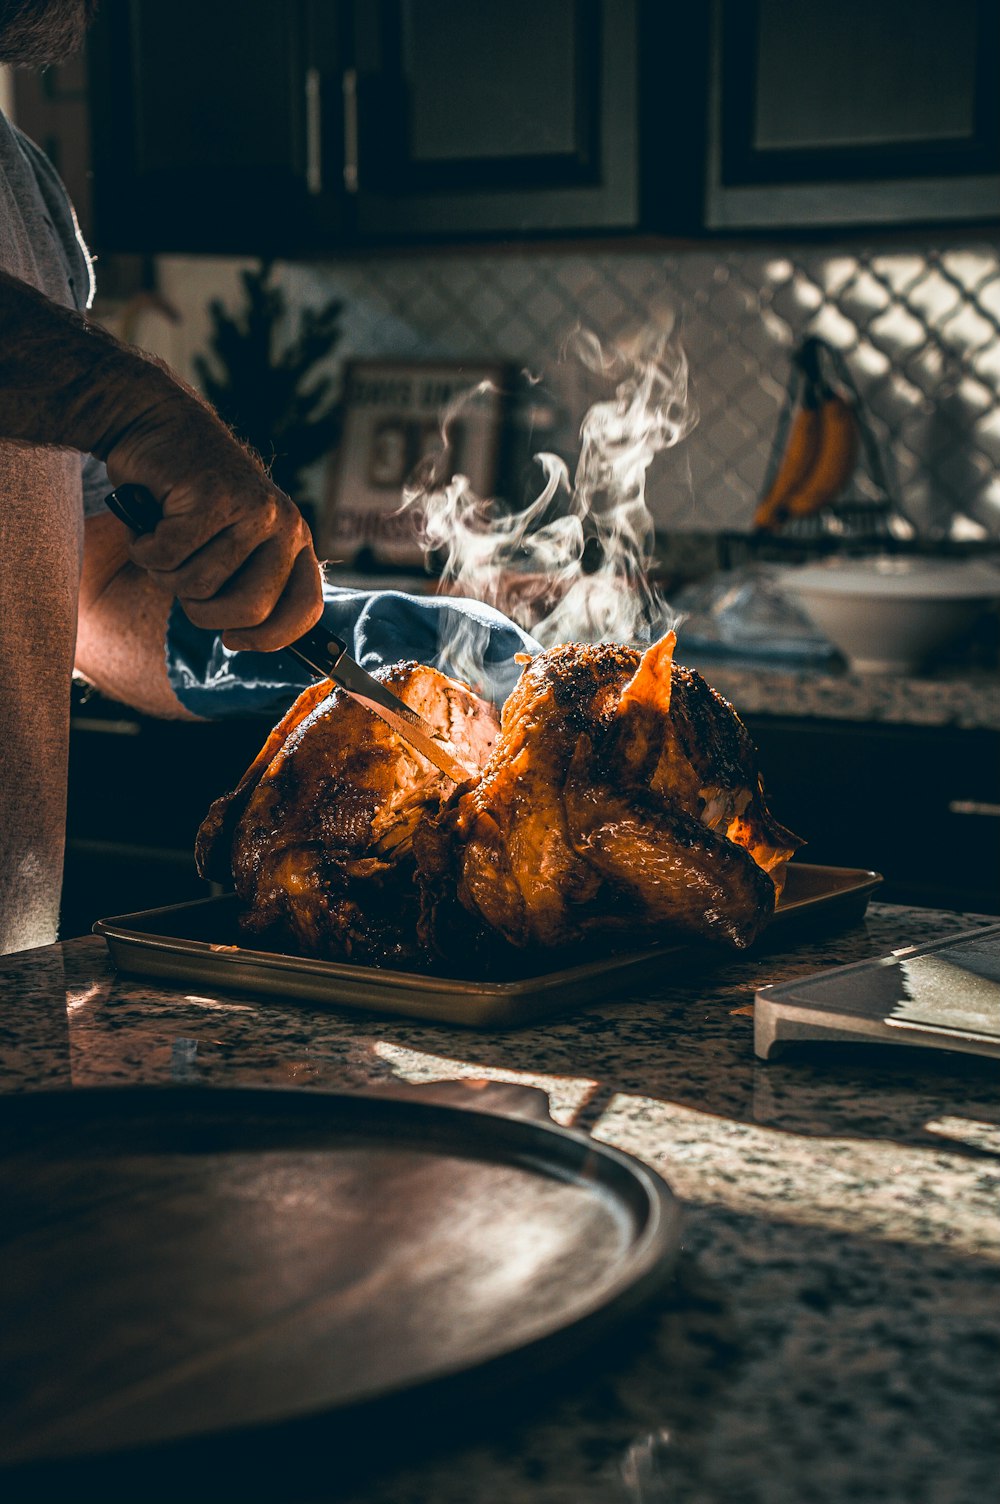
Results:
<point x="918" y="324"/>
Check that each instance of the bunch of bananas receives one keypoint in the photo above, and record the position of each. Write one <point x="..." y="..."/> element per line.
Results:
<point x="821" y="452"/>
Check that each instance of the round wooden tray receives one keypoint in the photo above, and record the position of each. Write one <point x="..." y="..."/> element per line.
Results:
<point x="182" y="1262"/>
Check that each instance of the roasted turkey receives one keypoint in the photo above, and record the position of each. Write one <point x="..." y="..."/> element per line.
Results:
<point x="318" y="835"/>
<point x="620" y="799"/>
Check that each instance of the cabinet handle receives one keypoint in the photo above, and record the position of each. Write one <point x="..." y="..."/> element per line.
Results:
<point x="974" y="807"/>
<point x="350" y="85"/>
<point x="314" y="132"/>
<point x="106" y="728"/>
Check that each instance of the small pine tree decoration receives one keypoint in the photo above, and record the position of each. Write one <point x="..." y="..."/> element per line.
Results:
<point x="273" y="401"/>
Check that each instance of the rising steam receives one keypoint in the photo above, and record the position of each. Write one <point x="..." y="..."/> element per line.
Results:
<point x="573" y="565"/>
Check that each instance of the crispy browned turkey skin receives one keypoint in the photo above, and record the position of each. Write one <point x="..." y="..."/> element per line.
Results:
<point x="622" y="797"/>
<point x="319" y="833"/>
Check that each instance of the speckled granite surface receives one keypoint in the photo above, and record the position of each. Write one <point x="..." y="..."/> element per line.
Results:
<point x="833" y="1329"/>
<point x="969" y="700"/>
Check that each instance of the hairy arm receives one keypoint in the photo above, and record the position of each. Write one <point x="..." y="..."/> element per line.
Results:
<point x="231" y="546"/>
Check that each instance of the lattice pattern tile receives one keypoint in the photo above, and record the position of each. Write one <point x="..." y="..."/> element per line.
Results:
<point x="919" y="328"/>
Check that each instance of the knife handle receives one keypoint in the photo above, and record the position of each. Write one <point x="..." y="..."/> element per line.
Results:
<point x="321" y="648"/>
<point x="136" y="506"/>
<point x="139" y="509"/>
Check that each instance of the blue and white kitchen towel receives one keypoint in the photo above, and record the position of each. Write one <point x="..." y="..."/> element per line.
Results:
<point x="379" y="627"/>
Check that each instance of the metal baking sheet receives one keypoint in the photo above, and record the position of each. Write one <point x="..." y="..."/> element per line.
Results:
<point x="192" y="1262"/>
<point x="199" y="942"/>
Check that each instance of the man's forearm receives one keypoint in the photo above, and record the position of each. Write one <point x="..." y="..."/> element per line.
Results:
<point x="70" y="384"/>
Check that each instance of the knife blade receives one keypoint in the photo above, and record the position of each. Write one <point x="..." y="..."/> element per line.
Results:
<point x="319" y="650"/>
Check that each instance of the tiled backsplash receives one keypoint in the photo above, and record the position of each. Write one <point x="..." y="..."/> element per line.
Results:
<point x="919" y="328"/>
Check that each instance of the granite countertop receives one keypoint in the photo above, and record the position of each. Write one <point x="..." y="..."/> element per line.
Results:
<point x="967" y="698"/>
<point x="832" y="1331"/>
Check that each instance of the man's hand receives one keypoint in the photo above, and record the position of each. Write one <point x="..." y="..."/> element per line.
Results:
<point x="231" y="546"/>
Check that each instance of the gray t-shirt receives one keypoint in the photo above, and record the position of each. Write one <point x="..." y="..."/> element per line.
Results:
<point x="44" y="495"/>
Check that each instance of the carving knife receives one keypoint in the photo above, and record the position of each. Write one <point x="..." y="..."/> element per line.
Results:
<point x="322" y="652"/>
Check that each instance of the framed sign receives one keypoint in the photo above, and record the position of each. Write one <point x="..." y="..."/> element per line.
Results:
<point x="402" y="419"/>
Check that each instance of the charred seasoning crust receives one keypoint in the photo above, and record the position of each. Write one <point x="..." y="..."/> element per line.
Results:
<point x="709" y="731"/>
<point x="578" y="675"/>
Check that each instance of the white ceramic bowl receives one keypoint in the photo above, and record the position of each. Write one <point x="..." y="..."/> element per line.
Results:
<point x="889" y="615"/>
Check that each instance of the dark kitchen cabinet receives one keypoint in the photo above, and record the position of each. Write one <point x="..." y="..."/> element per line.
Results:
<point x="138" y="790"/>
<point x="308" y="127"/>
<point x="212" y="126"/>
<point x="860" y="112"/>
<point x="920" y="804"/>
<point x="495" y="118"/>
<point x="302" y="127"/>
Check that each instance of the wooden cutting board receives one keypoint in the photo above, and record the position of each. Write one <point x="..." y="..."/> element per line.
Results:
<point x="184" y="1262"/>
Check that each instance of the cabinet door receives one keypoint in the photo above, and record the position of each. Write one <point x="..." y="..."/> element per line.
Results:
<point x="854" y="112"/>
<point x="138" y="790"/>
<point x="495" y="118"/>
<point x="209" y="128"/>
<point x="920" y="804"/>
